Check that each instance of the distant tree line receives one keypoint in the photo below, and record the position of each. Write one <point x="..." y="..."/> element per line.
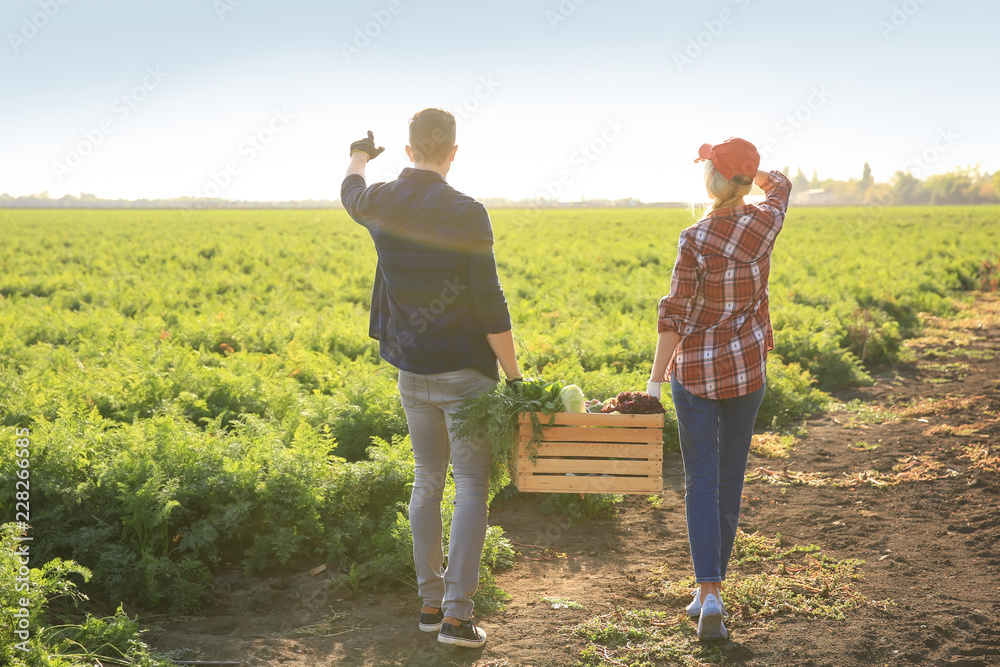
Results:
<point x="963" y="185"/>
<point x="43" y="200"/>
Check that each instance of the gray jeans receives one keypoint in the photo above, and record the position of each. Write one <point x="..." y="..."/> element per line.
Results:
<point x="430" y="401"/>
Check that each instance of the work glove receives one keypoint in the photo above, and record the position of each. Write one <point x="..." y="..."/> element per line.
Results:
<point x="367" y="146"/>
<point x="653" y="388"/>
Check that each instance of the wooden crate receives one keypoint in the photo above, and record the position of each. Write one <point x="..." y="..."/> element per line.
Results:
<point x="605" y="454"/>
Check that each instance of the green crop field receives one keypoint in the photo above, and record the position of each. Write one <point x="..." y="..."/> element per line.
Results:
<point x="200" y="389"/>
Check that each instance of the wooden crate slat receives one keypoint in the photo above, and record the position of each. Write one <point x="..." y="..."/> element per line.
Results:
<point x="606" y="454"/>
<point x="648" y="451"/>
<point x="584" y="484"/>
<point x="595" y="419"/>
<point x="584" y="433"/>
<point x="601" y="466"/>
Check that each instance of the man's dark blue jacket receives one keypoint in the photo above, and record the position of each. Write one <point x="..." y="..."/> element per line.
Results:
<point x="436" y="292"/>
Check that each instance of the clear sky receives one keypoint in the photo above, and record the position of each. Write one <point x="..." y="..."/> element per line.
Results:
<point x="260" y="99"/>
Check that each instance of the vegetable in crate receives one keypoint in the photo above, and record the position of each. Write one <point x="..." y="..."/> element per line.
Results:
<point x="539" y="396"/>
<point x="496" y="412"/>
<point x="634" y="403"/>
<point x="572" y="399"/>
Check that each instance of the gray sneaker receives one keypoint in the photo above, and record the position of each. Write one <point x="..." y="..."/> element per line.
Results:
<point x="431" y="622"/>
<point x="465" y="634"/>
<point x="710" y="625"/>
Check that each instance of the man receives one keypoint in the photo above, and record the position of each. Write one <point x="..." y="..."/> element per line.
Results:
<point x="441" y="318"/>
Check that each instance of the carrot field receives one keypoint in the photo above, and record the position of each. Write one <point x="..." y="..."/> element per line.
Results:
<point x="203" y="400"/>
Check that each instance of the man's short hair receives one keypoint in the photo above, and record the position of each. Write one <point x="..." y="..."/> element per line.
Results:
<point x="432" y="135"/>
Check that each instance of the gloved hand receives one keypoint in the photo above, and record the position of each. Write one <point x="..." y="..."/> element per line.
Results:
<point x="653" y="388"/>
<point x="367" y="146"/>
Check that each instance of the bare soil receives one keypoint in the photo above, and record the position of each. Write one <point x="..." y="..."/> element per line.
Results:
<point x="929" y="545"/>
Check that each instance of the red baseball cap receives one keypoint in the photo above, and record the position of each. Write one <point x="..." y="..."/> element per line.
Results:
<point x="733" y="156"/>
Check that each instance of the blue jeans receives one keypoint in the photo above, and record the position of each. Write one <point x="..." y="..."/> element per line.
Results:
<point x="715" y="441"/>
<point x="429" y="402"/>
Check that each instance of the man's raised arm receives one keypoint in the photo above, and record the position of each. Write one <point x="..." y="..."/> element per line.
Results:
<point x="351" y="190"/>
<point x="357" y="165"/>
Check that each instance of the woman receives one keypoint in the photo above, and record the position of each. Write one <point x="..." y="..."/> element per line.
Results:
<point x="714" y="334"/>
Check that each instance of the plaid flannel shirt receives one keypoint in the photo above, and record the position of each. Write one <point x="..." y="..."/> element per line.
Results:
<point x="718" y="296"/>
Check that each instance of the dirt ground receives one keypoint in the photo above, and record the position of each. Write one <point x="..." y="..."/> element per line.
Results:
<point x="929" y="542"/>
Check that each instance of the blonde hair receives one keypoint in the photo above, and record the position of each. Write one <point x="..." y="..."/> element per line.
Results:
<point x="724" y="192"/>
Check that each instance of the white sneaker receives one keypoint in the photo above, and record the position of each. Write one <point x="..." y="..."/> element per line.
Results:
<point x="694" y="608"/>
<point x="710" y="625"/>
